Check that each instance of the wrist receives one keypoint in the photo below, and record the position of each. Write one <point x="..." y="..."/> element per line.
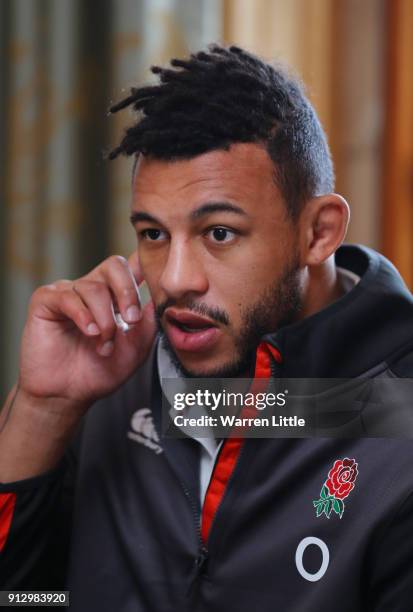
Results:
<point x="53" y="408"/>
<point x="34" y="433"/>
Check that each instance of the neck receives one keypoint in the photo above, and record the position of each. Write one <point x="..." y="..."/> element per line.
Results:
<point x="321" y="286"/>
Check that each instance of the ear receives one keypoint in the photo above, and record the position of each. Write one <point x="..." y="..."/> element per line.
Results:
<point x="324" y="221"/>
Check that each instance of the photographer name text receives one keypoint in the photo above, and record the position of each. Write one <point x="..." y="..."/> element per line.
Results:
<point x="234" y="421"/>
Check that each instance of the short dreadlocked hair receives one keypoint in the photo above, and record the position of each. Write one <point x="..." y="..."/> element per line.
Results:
<point x="224" y="96"/>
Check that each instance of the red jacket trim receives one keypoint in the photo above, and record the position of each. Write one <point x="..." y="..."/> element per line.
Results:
<point x="7" y="504"/>
<point x="230" y="451"/>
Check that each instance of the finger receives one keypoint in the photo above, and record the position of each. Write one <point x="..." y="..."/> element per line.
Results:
<point x="97" y="298"/>
<point x="52" y="304"/>
<point x="122" y="283"/>
<point x="145" y="330"/>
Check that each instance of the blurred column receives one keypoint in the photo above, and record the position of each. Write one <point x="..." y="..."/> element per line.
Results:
<point x="21" y="181"/>
<point x="358" y="49"/>
<point x="62" y="209"/>
<point x="397" y="230"/>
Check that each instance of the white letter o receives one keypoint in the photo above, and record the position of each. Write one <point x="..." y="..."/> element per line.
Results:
<point x="299" y="558"/>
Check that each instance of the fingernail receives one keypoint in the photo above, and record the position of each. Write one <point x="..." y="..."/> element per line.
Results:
<point x="133" y="314"/>
<point x="106" y="349"/>
<point x="93" y="329"/>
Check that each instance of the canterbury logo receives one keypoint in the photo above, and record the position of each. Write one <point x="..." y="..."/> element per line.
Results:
<point x="144" y="431"/>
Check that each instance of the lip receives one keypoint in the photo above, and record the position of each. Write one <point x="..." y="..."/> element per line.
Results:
<point x="198" y="341"/>
<point x="186" y="317"/>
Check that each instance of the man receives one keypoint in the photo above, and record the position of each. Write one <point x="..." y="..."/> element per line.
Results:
<point x="238" y="234"/>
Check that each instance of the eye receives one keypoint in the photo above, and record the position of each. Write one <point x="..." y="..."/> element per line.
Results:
<point x="221" y="234"/>
<point x="152" y="234"/>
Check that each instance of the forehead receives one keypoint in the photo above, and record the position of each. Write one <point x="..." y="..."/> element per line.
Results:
<point x="243" y="174"/>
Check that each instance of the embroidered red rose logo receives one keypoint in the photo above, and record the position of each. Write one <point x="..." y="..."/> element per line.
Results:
<point x="338" y="486"/>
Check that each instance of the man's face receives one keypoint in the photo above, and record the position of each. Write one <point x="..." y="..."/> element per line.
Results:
<point x="219" y="254"/>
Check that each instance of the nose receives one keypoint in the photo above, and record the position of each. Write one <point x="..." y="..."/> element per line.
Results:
<point x="183" y="273"/>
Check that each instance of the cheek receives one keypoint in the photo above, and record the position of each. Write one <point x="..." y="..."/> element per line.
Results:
<point x="234" y="293"/>
<point x="240" y="283"/>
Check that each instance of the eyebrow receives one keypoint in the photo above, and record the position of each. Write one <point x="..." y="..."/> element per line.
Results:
<point x="142" y="216"/>
<point x="211" y="207"/>
<point x="204" y="210"/>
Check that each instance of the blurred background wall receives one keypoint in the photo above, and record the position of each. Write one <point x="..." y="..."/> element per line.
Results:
<point x="64" y="208"/>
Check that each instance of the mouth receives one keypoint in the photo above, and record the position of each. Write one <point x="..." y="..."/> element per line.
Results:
<point x="190" y="332"/>
<point x="188" y="321"/>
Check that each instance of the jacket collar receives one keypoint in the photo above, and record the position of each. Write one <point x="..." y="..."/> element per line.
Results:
<point x="358" y="332"/>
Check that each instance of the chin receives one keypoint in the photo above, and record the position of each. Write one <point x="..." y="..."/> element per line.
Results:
<point x="210" y="366"/>
<point x="214" y="368"/>
<point x="202" y="368"/>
